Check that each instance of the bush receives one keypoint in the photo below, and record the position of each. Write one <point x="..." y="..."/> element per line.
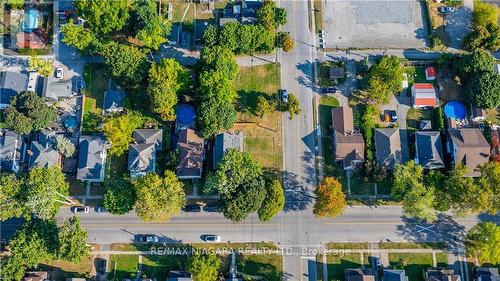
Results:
<point x="438" y="118"/>
<point x="485" y="13"/>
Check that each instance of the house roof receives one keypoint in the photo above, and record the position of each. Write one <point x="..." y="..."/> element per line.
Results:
<point x="42" y="156"/>
<point x="225" y="141"/>
<point x="394" y="275"/>
<point x="487" y="274"/>
<point x="91" y="158"/>
<point x="10" y="150"/>
<point x="472" y="149"/>
<point x="31" y="40"/>
<point x="429" y="149"/>
<point x="359" y="274"/>
<point x="424" y="94"/>
<point x="54" y="89"/>
<point x="442" y="275"/>
<point x="36" y="276"/>
<point x="391" y="147"/>
<point x="191" y="154"/>
<point x="348" y="144"/>
<point x="141" y="158"/>
<point x="149" y="136"/>
<point x="113" y="100"/>
<point x="177" y="275"/>
<point x="12" y="83"/>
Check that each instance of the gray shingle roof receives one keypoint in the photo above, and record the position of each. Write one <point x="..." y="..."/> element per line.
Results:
<point x="429" y="149"/>
<point x="42" y="156"/>
<point x="12" y="83"/>
<point x="91" y="158"/>
<point x="141" y="159"/>
<point x="391" y="147"/>
<point x="149" y="136"/>
<point x="10" y="150"/>
<point x="54" y="89"/>
<point x="394" y="275"/>
<point x="225" y="141"/>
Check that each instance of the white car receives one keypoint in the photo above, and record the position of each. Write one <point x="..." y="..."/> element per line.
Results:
<point x="59" y="73"/>
<point x="80" y="210"/>
<point x="212" y="238"/>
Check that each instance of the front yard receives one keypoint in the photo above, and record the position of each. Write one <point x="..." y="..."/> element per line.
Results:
<point x="416" y="264"/>
<point x="263" y="136"/>
<point x="122" y="266"/>
<point x="270" y="266"/>
<point x="324" y="73"/>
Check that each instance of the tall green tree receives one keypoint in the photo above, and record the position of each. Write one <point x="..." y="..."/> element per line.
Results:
<point x="489" y="184"/>
<point x="166" y="80"/>
<point x="485" y="13"/>
<point x="293" y="105"/>
<point x="159" y="198"/>
<point x="64" y="146"/>
<point x="78" y="36"/>
<point x="28" y="112"/>
<point x="462" y="193"/>
<point x="215" y="115"/>
<point x="73" y="241"/>
<point x="219" y="59"/>
<point x="239" y="180"/>
<point x="103" y="18"/>
<point x="11" y="197"/>
<point x="483" y="37"/>
<point x="474" y="62"/>
<point x="127" y="64"/>
<point x="150" y="28"/>
<point x="384" y="79"/>
<point x="274" y="201"/>
<point x="46" y="191"/>
<point x="118" y="131"/>
<point x="484" y="90"/>
<point x="330" y="198"/>
<point x="483" y="240"/>
<point x="204" y="267"/>
<point x="120" y="195"/>
<point x="211" y="36"/>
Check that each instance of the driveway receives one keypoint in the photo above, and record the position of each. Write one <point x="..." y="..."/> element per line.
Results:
<point x="458" y="24"/>
<point x="401" y="103"/>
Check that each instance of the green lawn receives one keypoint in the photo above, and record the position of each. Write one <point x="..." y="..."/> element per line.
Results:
<point x="270" y="267"/>
<point x="442" y="260"/>
<point x="415" y="75"/>
<point x="123" y="266"/>
<point x="337" y="265"/>
<point x="325" y="121"/>
<point x="159" y="266"/>
<point x="416" y="263"/>
<point x="415" y="115"/>
<point x="318" y="15"/>
<point x="96" y="84"/>
<point x="324" y="73"/>
<point x="412" y="245"/>
<point x="262" y="135"/>
<point x="336" y="245"/>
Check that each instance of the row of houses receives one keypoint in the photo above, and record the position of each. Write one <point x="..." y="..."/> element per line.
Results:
<point x="467" y="146"/>
<point x="431" y="274"/>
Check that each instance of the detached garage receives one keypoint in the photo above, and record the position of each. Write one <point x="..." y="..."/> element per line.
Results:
<point x="424" y="95"/>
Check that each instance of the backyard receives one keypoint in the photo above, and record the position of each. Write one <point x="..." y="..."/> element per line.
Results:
<point x="96" y="84"/>
<point x="263" y="136"/>
<point x="414" y="116"/>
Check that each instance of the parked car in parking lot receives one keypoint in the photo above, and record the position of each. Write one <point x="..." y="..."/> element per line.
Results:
<point x="148" y="238"/>
<point x="192" y="208"/>
<point x="80" y="210"/>
<point x="212" y="238"/>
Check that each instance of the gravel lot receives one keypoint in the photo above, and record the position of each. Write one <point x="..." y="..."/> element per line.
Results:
<point x="374" y="24"/>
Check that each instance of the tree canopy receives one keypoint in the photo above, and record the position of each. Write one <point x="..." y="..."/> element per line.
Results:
<point x="330" y="198"/>
<point x="489" y="183"/>
<point x="120" y="195"/>
<point x="127" y="64"/>
<point x="159" y="198"/>
<point x="45" y="190"/>
<point x="101" y="17"/>
<point x="11" y="197"/>
<point x="273" y="202"/>
<point x="64" y="146"/>
<point x="150" y="28"/>
<point x="118" y="131"/>
<point x="78" y="36"/>
<point x="73" y="241"/>
<point x="293" y="105"/>
<point x="28" y="112"/>
<point x="44" y="67"/>
<point x="484" y="241"/>
<point x="484" y="90"/>
<point x="239" y="180"/>
<point x="384" y="79"/>
<point x="166" y="80"/>
<point x="204" y="267"/>
<point x="475" y="62"/>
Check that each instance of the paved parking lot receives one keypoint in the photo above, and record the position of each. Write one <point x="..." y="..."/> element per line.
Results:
<point x="374" y="24"/>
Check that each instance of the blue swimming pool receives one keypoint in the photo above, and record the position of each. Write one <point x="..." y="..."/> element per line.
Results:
<point x="186" y="114"/>
<point x="455" y="110"/>
<point x="30" y="21"/>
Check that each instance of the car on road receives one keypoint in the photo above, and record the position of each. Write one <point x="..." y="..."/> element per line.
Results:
<point x="148" y="238"/>
<point x="192" y="208"/>
<point x="100" y="209"/>
<point x="446" y="10"/>
<point x="283" y="95"/>
<point x="59" y="73"/>
<point x="329" y="90"/>
<point x="212" y="208"/>
<point x="80" y="210"/>
<point x="212" y="238"/>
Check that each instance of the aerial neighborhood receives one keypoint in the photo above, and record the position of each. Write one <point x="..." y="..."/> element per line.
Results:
<point x="250" y="140"/>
